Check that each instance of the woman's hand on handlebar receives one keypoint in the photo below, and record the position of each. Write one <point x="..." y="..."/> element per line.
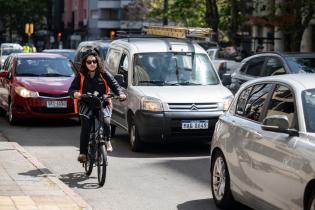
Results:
<point x="122" y="97"/>
<point x="77" y="94"/>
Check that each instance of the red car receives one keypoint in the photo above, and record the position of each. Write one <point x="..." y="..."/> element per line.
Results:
<point x="35" y="85"/>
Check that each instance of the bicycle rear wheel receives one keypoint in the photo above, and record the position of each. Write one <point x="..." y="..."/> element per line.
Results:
<point x="90" y="160"/>
<point x="101" y="164"/>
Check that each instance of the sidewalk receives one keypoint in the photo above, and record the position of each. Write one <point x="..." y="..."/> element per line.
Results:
<point x="25" y="184"/>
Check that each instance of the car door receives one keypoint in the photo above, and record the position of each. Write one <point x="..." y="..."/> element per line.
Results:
<point x="5" y="83"/>
<point x="120" y="107"/>
<point x="246" y="133"/>
<point x="274" y="163"/>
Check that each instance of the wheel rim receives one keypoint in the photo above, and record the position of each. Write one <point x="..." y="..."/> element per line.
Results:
<point x="219" y="178"/>
<point x="132" y="134"/>
<point x="10" y="112"/>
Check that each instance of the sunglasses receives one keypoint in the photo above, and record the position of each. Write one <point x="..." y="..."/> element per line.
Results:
<point x="91" y="61"/>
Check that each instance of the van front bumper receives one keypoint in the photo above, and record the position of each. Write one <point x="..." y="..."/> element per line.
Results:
<point x="167" y="126"/>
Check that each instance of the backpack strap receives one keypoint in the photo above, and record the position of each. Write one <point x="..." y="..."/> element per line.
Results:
<point x="76" y="100"/>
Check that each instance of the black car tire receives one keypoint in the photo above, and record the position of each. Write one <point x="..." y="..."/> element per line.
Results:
<point x="112" y="130"/>
<point x="135" y="142"/>
<point x="220" y="178"/>
<point x="311" y="202"/>
<point x="11" y="118"/>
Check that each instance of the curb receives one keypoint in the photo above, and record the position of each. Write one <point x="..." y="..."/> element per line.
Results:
<point x="52" y="177"/>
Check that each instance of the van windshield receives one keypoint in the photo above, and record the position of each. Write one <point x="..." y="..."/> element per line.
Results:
<point x="173" y="69"/>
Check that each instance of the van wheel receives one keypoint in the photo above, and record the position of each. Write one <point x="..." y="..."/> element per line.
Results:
<point x="112" y="130"/>
<point x="220" y="182"/>
<point x="11" y="118"/>
<point x="135" y="143"/>
<point x="311" y="202"/>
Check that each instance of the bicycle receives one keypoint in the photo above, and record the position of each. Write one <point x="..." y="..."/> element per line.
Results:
<point x="97" y="151"/>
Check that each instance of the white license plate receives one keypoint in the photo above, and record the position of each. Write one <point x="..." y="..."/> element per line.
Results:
<point x="56" y="104"/>
<point x="195" y="124"/>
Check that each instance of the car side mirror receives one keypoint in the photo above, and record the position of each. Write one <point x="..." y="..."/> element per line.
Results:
<point x="226" y="79"/>
<point x="120" y="79"/>
<point x="279" y="124"/>
<point x="4" y="74"/>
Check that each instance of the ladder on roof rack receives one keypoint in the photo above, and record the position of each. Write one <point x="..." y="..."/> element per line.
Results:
<point x="179" y="32"/>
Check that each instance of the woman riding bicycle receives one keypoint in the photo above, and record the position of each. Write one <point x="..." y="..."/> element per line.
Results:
<point x="93" y="79"/>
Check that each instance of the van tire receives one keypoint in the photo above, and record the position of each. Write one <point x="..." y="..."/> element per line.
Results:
<point x="112" y="130"/>
<point x="134" y="139"/>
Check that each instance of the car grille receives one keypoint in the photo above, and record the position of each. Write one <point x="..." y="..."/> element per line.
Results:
<point x="193" y="106"/>
<point x="62" y="95"/>
<point x="52" y="110"/>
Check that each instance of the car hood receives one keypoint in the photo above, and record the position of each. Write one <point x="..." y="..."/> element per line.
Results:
<point x="53" y="85"/>
<point x="186" y="94"/>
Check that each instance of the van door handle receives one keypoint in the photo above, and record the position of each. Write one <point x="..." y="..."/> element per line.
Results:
<point x="256" y="134"/>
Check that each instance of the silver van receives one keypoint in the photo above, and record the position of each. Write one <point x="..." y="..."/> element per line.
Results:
<point x="173" y="90"/>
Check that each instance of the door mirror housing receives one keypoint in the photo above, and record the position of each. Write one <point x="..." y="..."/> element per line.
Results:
<point x="120" y="79"/>
<point x="279" y="124"/>
<point x="226" y="79"/>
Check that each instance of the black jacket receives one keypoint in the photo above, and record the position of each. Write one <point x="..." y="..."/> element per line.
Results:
<point x="95" y="84"/>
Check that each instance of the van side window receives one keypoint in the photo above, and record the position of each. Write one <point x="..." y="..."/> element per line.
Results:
<point x="112" y="60"/>
<point x="123" y="69"/>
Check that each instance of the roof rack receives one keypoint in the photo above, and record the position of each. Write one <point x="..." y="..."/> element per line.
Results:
<point x="179" y="32"/>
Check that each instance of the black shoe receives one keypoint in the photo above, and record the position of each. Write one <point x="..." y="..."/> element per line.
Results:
<point x="82" y="158"/>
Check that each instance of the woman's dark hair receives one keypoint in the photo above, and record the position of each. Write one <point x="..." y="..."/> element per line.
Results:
<point x="85" y="55"/>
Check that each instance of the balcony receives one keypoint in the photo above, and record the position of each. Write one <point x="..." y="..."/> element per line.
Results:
<point x="112" y="3"/>
<point x="109" y="24"/>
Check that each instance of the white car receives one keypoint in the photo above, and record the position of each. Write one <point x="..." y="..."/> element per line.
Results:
<point x="6" y="49"/>
<point x="263" y="147"/>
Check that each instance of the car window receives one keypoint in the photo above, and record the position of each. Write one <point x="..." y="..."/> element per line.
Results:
<point x="274" y="66"/>
<point x="282" y="103"/>
<point x="254" y="66"/>
<point x="301" y="64"/>
<point x="256" y="101"/>
<point x="308" y="98"/>
<point x="242" y="100"/>
<point x="244" y="67"/>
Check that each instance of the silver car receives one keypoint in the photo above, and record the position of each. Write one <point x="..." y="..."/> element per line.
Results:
<point x="263" y="147"/>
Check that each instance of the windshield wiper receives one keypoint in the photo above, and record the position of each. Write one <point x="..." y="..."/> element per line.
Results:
<point x="53" y="75"/>
<point x="185" y="83"/>
<point x="156" y="82"/>
<point x="27" y="74"/>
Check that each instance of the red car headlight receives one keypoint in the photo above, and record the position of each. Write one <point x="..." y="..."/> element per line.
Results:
<point x="25" y="93"/>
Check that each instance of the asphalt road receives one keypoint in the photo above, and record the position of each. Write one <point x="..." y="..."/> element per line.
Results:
<point x="164" y="177"/>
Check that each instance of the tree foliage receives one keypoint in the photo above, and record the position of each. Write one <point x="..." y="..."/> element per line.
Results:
<point x="15" y="14"/>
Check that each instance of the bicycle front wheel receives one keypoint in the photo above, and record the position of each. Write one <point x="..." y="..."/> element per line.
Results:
<point x="101" y="164"/>
<point x="90" y="160"/>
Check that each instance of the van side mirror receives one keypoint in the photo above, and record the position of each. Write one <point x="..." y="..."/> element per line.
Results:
<point x="279" y="124"/>
<point x="120" y="79"/>
<point x="226" y="79"/>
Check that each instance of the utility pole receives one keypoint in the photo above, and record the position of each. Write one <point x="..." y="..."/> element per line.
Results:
<point x="165" y="11"/>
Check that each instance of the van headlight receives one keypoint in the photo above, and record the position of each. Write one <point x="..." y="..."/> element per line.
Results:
<point x="227" y="102"/>
<point x="25" y="93"/>
<point x="151" y="104"/>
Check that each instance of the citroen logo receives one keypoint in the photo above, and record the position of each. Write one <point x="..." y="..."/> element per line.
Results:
<point x="193" y="107"/>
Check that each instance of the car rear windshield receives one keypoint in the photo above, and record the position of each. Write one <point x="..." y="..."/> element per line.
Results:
<point x="301" y="64"/>
<point x="308" y="98"/>
<point x="173" y="69"/>
<point x="8" y="51"/>
<point x="45" y="67"/>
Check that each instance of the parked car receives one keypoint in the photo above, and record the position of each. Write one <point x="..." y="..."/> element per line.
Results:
<point x="35" y="85"/>
<point x="272" y="63"/>
<point x="263" y="147"/>
<point x="69" y="53"/>
<point x="6" y="49"/>
<point x="169" y="97"/>
<point x="100" y="45"/>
